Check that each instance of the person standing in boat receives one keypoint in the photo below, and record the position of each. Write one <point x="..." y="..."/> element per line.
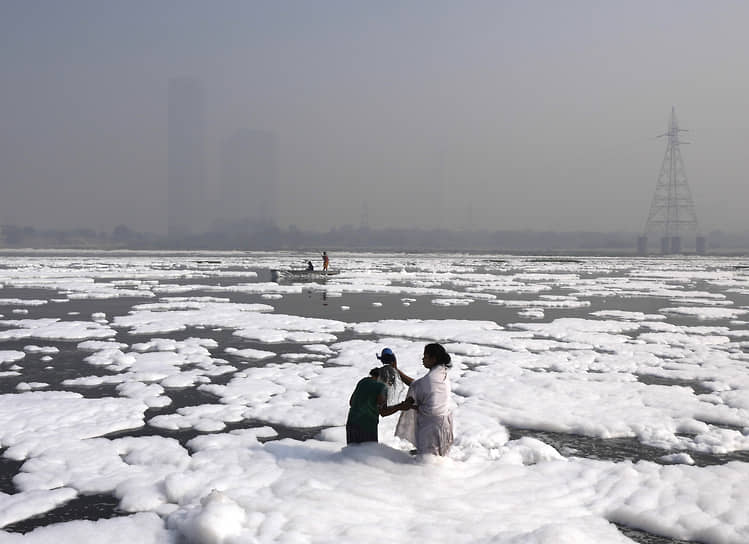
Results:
<point x="325" y="261"/>
<point x="430" y="428"/>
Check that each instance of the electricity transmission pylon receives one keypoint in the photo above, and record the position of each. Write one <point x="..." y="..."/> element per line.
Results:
<point x="672" y="212"/>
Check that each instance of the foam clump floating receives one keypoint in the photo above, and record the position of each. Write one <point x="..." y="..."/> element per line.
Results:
<point x="217" y="519"/>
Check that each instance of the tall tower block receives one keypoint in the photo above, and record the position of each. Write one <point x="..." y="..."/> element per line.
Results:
<point x="672" y="213"/>
<point x="186" y="156"/>
<point x="249" y="177"/>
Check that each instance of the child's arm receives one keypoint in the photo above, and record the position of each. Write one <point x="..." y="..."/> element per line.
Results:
<point x="386" y="410"/>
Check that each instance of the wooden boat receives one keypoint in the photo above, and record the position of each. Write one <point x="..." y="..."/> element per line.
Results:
<point x="301" y="274"/>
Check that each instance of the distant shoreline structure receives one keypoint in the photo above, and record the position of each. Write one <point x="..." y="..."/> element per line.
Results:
<point x="519" y="242"/>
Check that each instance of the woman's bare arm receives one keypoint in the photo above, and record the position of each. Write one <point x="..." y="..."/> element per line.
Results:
<point x="404" y="377"/>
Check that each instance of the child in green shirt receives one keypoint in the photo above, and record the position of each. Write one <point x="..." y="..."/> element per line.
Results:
<point x="367" y="403"/>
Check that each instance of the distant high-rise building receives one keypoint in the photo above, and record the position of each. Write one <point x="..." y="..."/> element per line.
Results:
<point x="249" y="178"/>
<point x="186" y="156"/>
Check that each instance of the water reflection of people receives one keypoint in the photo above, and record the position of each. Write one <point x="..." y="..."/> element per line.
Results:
<point x="367" y="403"/>
<point x="430" y="425"/>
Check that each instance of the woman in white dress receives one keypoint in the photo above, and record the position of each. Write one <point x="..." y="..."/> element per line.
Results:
<point x="430" y="427"/>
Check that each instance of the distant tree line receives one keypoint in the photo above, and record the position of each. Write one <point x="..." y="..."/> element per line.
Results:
<point x="253" y="236"/>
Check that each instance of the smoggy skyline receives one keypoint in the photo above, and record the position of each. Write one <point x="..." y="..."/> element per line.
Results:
<point x="481" y="114"/>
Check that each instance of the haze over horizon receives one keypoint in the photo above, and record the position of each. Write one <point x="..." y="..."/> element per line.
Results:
<point x="485" y="114"/>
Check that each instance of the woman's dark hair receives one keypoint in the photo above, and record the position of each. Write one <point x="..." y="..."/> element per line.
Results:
<point x="439" y="354"/>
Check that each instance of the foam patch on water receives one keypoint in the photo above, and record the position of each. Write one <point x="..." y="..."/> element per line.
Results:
<point x="254" y="354"/>
<point x="706" y="313"/>
<point x="10" y="356"/>
<point x="32" y="422"/>
<point x="53" y="329"/>
<point x="21" y="302"/>
<point x="26" y="504"/>
<point x="41" y="349"/>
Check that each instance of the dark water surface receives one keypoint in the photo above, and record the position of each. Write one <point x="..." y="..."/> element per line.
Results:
<point x="89" y="507"/>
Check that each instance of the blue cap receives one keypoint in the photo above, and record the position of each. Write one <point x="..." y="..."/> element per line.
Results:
<point x="387" y="355"/>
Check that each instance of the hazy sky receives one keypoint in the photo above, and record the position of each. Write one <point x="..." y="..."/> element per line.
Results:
<point x="487" y="114"/>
